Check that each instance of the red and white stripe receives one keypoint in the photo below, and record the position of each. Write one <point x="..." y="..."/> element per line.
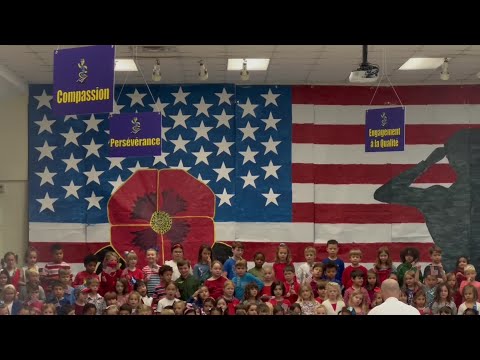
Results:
<point x="333" y="178"/>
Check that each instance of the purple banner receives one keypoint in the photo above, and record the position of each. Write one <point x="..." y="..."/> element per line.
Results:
<point x="385" y="129"/>
<point x="135" y="134"/>
<point x="83" y="80"/>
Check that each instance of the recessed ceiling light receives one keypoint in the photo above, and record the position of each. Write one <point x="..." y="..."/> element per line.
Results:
<point x="422" y="64"/>
<point x="253" y="64"/>
<point x="125" y="65"/>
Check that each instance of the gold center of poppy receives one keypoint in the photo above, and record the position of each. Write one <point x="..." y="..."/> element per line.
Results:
<point x="161" y="222"/>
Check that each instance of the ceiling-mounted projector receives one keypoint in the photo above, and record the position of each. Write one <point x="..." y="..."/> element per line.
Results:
<point x="367" y="72"/>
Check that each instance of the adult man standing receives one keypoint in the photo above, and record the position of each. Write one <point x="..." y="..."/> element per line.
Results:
<point x="391" y="305"/>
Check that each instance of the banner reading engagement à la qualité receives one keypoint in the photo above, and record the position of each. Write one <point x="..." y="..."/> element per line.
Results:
<point x="385" y="129"/>
<point x="83" y="80"/>
<point x="135" y="134"/>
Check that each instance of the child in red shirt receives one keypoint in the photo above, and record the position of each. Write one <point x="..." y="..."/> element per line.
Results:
<point x="283" y="258"/>
<point x="131" y="272"/>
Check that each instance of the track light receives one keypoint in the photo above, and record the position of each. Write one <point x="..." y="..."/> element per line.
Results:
<point x="156" y="74"/>
<point x="445" y="75"/>
<point x="244" y="74"/>
<point x="203" y="73"/>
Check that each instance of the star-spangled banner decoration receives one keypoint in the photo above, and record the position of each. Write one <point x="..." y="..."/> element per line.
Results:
<point x="235" y="139"/>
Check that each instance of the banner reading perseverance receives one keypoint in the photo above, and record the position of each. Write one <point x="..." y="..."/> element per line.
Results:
<point x="83" y="80"/>
<point x="385" y="129"/>
<point x="135" y="134"/>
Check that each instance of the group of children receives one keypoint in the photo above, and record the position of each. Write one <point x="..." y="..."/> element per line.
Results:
<point x="213" y="288"/>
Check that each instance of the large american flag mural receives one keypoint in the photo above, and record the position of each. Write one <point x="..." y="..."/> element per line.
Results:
<point x="258" y="164"/>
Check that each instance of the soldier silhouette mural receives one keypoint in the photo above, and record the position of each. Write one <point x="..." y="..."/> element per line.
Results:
<point x="452" y="215"/>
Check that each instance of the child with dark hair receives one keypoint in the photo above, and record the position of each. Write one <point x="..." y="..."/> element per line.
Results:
<point x="258" y="271"/>
<point x="201" y="270"/>
<point x="332" y="250"/>
<point x="243" y="278"/>
<point x="357" y="285"/>
<point x="292" y="287"/>
<point x="141" y="288"/>
<point x="331" y="273"/>
<point x="187" y="284"/>
<point x="9" y="263"/>
<point x="89" y="309"/>
<point x="278" y="296"/>
<point x="51" y="269"/>
<point x="409" y="257"/>
<point x="165" y="273"/>
<point x="252" y="294"/>
<point x="295" y="309"/>
<point x="90" y="262"/>
<point x="229" y="266"/>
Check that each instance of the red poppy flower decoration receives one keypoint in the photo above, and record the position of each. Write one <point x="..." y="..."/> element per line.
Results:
<point x="160" y="208"/>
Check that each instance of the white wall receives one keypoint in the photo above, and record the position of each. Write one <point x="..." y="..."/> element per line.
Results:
<point x="14" y="174"/>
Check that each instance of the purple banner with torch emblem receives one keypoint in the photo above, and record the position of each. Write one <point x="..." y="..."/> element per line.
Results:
<point x="83" y="80"/>
<point x="385" y="129"/>
<point x="135" y="134"/>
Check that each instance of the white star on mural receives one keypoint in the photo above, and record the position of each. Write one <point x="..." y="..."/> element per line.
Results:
<point x="202" y="131"/>
<point x="72" y="190"/>
<point x="249" y="180"/>
<point x="271" y="145"/>
<point x="136" y="167"/>
<point x="270" y="98"/>
<point x="180" y="119"/>
<point x="45" y="150"/>
<point x="116" y="108"/>
<point x="161" y="158"/>
<point x="93" y="175"/>
<point x="158" y="106"/>
<point x="68" y="117"/>
<point x="224" y="119"/>
<point x="180" y="96"/>
<point x="45" y="125"/>
<point x="224" y="198"/>
<point x="47" y="203"/>
<point x="202" y="107"/>
<point x="164" y="132"/>
<point x="92" y="123"/>
<point x="205" y="181"/>
<point x="271" y="197"/>
<point x="136" y="98"/>
<point x="224" y="146"/>
<point x="202" y="156"/>
<point x="94" y="200"/>
<point x="46" y="176"/>
<point x="248" y="155"/>
<point x="224" y="97"/>
<point x="71" y="137"/>
<point x="44" y="100"/>
<point x="92" y="148"/>
<point x="116" y="183"/>
<point x="271" y="122"/>
<point x="248" y="131"/>
<point x="180" y="166"/>
<point x="72" y="163"/>
<point x="248" y="108"/>
<point x="271" y="170"/>
<point x="180" y="144"/>
<point x="115" y="162"/>
<point x="223" y="172"/>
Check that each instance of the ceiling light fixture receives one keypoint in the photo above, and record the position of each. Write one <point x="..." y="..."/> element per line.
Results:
<point x="203" y="73"/>
<point x="445" y="75"/>
<point x="244" y="74"/>
<point x="422" y="64"/>
<point x="156" y="74"/>
<point x="253" y="64"/>
<point x="125" y="65"/>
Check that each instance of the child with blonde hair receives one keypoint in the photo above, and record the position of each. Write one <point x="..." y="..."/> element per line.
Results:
<point x="355" y="256"/>
<point x="93" y="297"/>
<point x="358" y="301"/>
<point x="150" y="271"/>
<point x="470" y="295"/>
<point x="411" y="284"/>
<point x="111" y="272"/>
<point x="304" y="271"/>
<point x="134" y="300"/>
<point x="216" y="281"/>
<point x="283" y="258"/>
<point x="131" y="272"/>
<point x="49" y="309"/>
<point x="266" y="292"/>
<point x="307" y="300"/>
<point x="31" y="257"/>
<point x="228" y="291"/>
<point x="334" y="301"/>
<point x="470" y="274"/>
<point x="321" y="310"/>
